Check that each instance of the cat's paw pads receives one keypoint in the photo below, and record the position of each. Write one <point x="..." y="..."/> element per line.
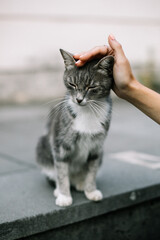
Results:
<point x="95" y="195"/>
<point x="80" y="186"/>
<point x="63" y="201"/>
<point x="56" y="192"/>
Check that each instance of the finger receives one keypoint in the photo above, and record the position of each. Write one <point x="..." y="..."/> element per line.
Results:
<point x="110" y="51"/>
<point x="117" y="47"/>
<point x="95" y="52"/>
<point x="80" y="63"/>
<point x="77" y="55"/>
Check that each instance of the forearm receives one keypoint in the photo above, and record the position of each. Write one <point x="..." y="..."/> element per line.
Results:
<point x="144" y="99"/>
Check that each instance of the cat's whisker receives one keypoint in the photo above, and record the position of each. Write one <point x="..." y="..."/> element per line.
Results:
<point x="98" y="113"/>
<point x="101" y="111"/>
<point x="63" y="101"/>
<point x="54" y="112"/>
<point x="99" y="103"/>
<point x="93" y="107"/>
<point x="93" y="110"/>
<point x="100" y="107"/>
<point x="52" y="105"/>
<point x="90" y="107"/>
<point x="52" y="101"/>
<point x="58" y="108"/>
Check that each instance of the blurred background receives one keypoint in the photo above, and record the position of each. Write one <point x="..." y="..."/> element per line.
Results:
<point x="32" y="31"/>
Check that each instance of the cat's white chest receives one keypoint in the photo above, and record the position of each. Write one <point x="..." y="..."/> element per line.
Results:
<point x="88" y="122"/>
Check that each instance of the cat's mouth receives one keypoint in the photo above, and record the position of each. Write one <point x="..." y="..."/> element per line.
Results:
<point x="80" y="102"/>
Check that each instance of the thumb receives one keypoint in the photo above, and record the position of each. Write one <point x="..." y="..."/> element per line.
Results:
<point x="117" y="47"/>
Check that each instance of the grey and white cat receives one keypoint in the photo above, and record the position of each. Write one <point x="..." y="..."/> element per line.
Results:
<point x="71" y="151"/>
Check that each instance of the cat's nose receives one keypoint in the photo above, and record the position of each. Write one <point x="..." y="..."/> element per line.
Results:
<point x="79" y="100"/>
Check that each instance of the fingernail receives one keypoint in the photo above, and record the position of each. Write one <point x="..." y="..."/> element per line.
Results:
<point x="77" y="63"/>
<point x="112" y="36"/>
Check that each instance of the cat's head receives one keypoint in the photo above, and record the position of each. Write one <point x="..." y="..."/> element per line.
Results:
<point x="91" y="82"/>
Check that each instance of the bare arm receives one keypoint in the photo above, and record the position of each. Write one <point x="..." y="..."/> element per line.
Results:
<point x="125" y="84"/>
<point x="145" y="99"/>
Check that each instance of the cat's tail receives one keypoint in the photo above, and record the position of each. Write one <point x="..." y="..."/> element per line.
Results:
<point x="43" y="152"/>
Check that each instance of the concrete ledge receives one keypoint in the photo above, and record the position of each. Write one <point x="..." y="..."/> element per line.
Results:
<point x="131" y="223"/>
<point x="34" y="211"/>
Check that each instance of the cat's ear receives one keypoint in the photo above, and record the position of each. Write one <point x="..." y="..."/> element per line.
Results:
<point x="68" y="59"/>
<point x="105" y="63"/>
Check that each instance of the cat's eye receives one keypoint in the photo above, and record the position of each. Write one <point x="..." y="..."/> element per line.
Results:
<point x="72" y="84"/>
<point x="91" y="87"/>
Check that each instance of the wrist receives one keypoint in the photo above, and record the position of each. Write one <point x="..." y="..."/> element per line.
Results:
<point x="144" y="99"/>
<point x="128" y="92"/>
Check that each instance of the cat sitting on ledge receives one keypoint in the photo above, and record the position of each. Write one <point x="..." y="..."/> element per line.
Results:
<point x="71" y="151"/>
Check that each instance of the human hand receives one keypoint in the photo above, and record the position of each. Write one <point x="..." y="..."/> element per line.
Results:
<point x="122" y="72"/>
<point x="94" y="53"/>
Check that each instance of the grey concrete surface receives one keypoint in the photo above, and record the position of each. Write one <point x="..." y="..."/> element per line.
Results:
<point x="9" y="166"/>
<point x="125" y="224"/>
<point x="27" y="205"/>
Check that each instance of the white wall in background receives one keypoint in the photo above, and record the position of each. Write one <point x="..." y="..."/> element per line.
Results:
<point x="32" y="31"/>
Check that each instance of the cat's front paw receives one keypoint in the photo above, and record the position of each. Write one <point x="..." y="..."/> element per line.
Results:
<point x="95" y="195"/>
<point x="56" y="192"/>
<point x="63" y="200"/>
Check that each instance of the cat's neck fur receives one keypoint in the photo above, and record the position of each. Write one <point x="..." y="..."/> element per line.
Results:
<point x="89" y="120"/>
